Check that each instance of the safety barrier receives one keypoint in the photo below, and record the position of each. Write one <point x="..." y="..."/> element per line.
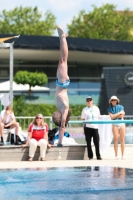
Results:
<point x="101" y="122"/>
<point x="75" y="126"/>
<point x="25" y="121"/>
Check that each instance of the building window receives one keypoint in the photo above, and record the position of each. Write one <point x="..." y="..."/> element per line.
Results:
<point x="4" y="73"/>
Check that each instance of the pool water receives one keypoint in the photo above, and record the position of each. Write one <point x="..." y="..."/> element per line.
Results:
<point x="85" y="183"/>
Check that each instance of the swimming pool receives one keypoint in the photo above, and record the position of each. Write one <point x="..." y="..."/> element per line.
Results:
<point x="93" y="183"/>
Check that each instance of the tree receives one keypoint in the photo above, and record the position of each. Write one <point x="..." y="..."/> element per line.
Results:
<point x="27" y="21"/>
<point x="31" y="78"/>
<point x="103" y="23"/>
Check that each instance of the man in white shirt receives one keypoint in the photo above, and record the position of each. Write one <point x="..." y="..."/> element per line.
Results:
<point x="89" y="113"/>
<point x="8" y="122"/>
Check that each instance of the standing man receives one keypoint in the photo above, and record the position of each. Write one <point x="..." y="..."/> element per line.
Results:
<point x="90" y="113"/>
<point x="61" y="117"/>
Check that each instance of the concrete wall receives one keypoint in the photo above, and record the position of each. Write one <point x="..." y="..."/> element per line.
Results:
<point x="16" y="153"/>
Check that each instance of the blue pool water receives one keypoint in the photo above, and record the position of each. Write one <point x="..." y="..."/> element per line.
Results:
<point x="85" y="183"/>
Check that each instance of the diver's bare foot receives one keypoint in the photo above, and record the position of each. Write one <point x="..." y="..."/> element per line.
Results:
<point x="61" y="33"/>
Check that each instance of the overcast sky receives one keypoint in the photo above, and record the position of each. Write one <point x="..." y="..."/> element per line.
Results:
<point x="64" y="10"/>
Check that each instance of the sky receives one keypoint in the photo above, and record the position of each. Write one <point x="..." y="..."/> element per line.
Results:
<point x="64" y="10"/>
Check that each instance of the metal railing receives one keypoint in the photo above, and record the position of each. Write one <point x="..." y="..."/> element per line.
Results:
<point x="25" y="122"/>
<point x="76" y="130"/>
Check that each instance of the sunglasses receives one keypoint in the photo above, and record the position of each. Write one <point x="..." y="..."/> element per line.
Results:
<point x="39" y="118"/>
<point x="113" y="100"/>
<point x="89" y="100"/>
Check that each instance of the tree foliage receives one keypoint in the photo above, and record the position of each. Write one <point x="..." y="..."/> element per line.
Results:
<point x="27" y="21"/>
<point x="103" y="23"/>
<point x="24" y="109"/>
<point x="31" y="78"/>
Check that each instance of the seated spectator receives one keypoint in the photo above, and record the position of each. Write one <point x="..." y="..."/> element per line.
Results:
<point x="8" y="122"/>
<point x="37" y="136"/>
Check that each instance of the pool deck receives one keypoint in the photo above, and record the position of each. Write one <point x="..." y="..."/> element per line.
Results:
<point x="108" y="160"/>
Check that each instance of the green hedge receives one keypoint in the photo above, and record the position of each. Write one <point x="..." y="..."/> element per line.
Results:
<point x="23" y="109"/>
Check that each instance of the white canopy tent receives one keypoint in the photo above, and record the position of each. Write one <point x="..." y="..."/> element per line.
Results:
<point x="5" y="87"/>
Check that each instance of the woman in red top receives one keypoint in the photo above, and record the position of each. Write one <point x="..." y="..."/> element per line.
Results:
<point x="37" y="136"/>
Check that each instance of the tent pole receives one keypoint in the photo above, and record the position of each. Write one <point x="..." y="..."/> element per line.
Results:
<point x="11" y="73"/>
<point x="10" y="45"/>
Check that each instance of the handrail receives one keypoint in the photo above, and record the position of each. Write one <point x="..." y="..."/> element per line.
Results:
<point x="30" y="117"/>
<point x="101" y="122"/>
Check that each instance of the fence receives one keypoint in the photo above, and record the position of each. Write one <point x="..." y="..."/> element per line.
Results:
<point x="76" y="130"/>
<point x="25" y="121"/>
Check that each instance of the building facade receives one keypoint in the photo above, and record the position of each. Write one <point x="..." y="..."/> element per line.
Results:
<point x="90" y="64"/>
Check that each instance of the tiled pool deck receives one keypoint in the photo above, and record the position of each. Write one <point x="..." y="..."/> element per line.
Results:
<point x="108" y="160"/>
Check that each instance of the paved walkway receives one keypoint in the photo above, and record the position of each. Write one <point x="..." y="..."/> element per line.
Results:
<point x="108" y="160"/>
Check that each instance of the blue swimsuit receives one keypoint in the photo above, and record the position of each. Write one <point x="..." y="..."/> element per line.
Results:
<point x="62" y="85"/>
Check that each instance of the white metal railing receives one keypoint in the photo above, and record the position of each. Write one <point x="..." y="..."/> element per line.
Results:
<point x="76" y="130"/>
<point x="79" y="127"/>
<point x="25" y="121"/>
